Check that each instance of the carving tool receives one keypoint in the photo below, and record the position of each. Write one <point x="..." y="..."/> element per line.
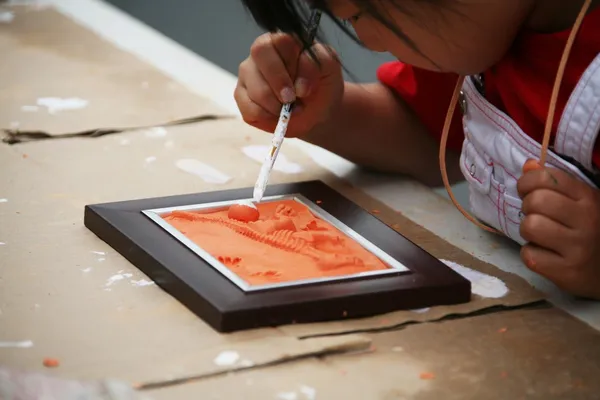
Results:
<point x="282" y="124"/>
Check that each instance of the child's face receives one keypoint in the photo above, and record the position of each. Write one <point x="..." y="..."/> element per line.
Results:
<point x="462" y="36"/>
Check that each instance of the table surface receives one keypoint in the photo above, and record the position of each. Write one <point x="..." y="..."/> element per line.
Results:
<point x="416" y="202"/>
<point x="419" y="203"/>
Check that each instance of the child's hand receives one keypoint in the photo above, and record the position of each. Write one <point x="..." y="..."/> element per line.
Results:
<point x="276" y="73"/>
<point x="562" y="226"/>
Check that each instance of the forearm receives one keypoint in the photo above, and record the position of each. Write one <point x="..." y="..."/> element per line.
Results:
<point x="375" y="129"/>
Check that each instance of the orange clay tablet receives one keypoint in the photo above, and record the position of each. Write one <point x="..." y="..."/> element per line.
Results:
<point x="243" y="212"/>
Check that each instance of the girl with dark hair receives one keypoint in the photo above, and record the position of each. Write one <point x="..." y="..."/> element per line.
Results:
<point x="510" y="88"/>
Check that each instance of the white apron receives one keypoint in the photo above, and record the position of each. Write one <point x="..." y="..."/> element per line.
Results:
<point x="495" y="150"/>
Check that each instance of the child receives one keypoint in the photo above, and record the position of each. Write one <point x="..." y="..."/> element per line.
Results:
<point x="508" y="53"/>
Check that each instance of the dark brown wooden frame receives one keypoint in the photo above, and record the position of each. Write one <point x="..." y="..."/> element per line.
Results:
<point x="226" y="307"/>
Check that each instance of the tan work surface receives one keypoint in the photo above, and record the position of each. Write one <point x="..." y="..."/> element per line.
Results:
<point x="79" y="301"/>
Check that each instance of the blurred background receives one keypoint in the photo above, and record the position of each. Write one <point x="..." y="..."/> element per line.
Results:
<point x="224" y="31"/>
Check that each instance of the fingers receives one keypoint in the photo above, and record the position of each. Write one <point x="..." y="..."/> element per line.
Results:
<point x="544" y="232"/>
<point x="543" y="262"/>
<point x="551" y="204"/>
<point x="310" y="73"/>
<point x="274" y="56"/>
<point x="252" y="113"/>
<point x="258" y="89"/>
<point x="550" y="178"/>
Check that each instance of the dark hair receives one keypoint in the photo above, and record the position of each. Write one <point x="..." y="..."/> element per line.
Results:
<point x="291" y="16"/>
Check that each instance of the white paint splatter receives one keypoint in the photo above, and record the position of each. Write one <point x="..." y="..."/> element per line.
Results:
<point x="150" y="159"/>
<point x="100" y="253"/>
<point x="56" y="104"/>
<point x="30" y="108"/>
<point x="142" y="282"/>
<point x="246" y="363"/>
<point x="421" y="310"/>
<point x="86" y="270"/>
<point x="309" y="392"/>
<point x="481" y="284"/>
<point x="3" y="200"/>
<point x="2" y="243"/>
<point x="282" y="164"/>
<point x="156" y="132"/>
<point x="20" y="345"/>
<point x="117" y="277"/>
<point x="6" y="17"/>
<point x="287" y="396"/>
<point x="226" y="358"/>
<point x="204" y="171"/>
<point x="101" y="259"/>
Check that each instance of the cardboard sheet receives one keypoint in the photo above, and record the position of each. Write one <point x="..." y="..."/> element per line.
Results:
<point x="71" y="295"/>
<point x="533" y="354"/>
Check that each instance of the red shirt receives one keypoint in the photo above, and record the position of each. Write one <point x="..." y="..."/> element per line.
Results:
<point x="520" y="84"/>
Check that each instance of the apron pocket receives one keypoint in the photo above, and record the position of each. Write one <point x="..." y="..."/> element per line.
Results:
<point x="475" y="168"/>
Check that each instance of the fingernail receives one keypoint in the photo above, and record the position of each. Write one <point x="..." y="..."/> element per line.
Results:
<point x="302" y="88"/>
<point x="288" y="95"/>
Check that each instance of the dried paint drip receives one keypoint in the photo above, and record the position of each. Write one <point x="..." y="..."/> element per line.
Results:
<point x="227" y="358"/>
<point x="204" y="171"/>
<point x="282" y="164"/>
<point x="481" y="284"/>
<point x="24" y="344"/>
<point x="57" y="104"/>
<point x="142" y="282"/>
<point x="117" y="277"/>
<point x="121" y="276"/>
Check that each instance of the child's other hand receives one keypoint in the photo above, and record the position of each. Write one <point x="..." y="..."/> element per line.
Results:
<point x="562" y="226"/>
<point x="276" y="72"/>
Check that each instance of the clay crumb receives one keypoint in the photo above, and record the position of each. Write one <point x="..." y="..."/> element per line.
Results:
<point x="396" y="226"/>
<point x="427" y="375"/>
<point x="25" y="156"/>
<point x="51" y="362"/>
<point x="375" y="211"/>
<point x="502" y="330"/>
<point x="319" y="201"/>
<point x="503" y="374"/>
<point x="345" y="314"/>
